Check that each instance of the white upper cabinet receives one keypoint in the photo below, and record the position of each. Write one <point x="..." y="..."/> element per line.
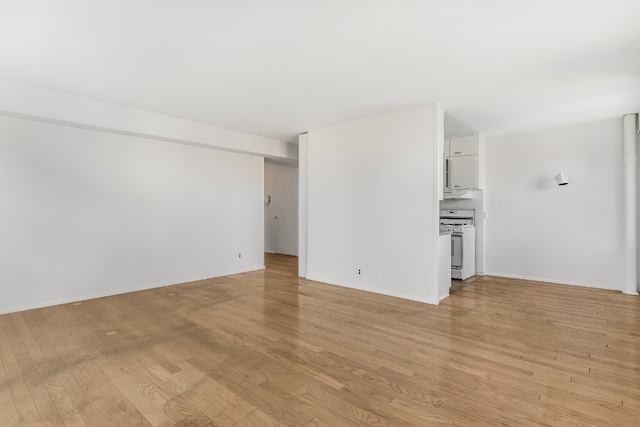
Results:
<point x="463" y="163"/>
<point x="463" y="146"/>
<point x="463" y="173"/>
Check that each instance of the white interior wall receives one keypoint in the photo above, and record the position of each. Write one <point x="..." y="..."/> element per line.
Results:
<point x="281" y="213"/>
<point x="637" y="207"/>
<point x="88" y="213"/>
<point x="372" y="203"/>
<point x="38" y="104"/>
<point x="454" y="127"/>
<point x="570" y="234"/>
<point x="303" y="144"/>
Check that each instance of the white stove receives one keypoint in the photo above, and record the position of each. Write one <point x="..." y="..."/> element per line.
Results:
<point x="459" y="217"/>
<point x="463" y="241"/>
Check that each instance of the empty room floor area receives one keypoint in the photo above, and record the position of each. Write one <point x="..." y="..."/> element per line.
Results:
<point x="269" y="348"/>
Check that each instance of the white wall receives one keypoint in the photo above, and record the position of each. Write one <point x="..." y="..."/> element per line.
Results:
<point x="87" y="213"/>
<point x="30" y="102"/>
<point x="637" y="211"/>
<point x="281" y="214"/>
<point x="569" y="234"/>
<point x="303" y="144"/>
<point x="372" y="199"/>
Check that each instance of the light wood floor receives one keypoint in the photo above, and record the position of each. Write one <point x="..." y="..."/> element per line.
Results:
<point x="268" y="348"/>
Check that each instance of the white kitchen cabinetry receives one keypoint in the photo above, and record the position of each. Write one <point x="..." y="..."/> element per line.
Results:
<point x="463" y="172"/>
<point x="462" y="163"/>
<point x="463" y="146"/>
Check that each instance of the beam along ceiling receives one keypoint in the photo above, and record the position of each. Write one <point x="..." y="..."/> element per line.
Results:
<point x="280" y="67"/>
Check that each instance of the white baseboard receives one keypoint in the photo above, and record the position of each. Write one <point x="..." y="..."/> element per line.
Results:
<point x="109" y="293"/>
<point x="278" y="253"/>
<point x="77" y="298"/>
<point x="389" y="294"/>
<point x="549" y="280"/>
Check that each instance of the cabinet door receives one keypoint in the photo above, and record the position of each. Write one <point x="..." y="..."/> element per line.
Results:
<point x="463" y="172"/>
<point x="463" y="146"/>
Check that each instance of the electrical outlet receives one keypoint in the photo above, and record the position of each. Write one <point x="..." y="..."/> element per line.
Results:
<point x="359" y="272"/>
<point x="239" y="255"/>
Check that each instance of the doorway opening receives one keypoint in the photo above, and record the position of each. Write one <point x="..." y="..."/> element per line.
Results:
<point x="280" y="211"/>
<point x="285" y="265"/>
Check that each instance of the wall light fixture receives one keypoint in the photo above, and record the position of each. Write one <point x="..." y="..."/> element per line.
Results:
<point x="562" y="178"/>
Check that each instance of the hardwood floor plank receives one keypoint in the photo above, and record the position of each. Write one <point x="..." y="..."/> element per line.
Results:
<point x="81" y="402"/>
<point x="38" y="391"/>
<point x="47" y="367"/>
<point x="23" y="403"/>
<point x="333" y="402"/>
<point x="128" y="412"/>
<point x="145" y="401"/>
<point x="104" y="405"/>
<point x="274" y="406"/>
<point x="70" y="416"/>
<point x="8" y="412"/>
<point x="181" y="408"/>
<point x="267" y="348"/>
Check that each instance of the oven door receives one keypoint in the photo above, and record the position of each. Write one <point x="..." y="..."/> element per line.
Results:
<point x="456" y="250"/>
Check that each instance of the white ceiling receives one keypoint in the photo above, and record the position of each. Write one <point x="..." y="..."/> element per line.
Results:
<point x="280" y="67"/>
